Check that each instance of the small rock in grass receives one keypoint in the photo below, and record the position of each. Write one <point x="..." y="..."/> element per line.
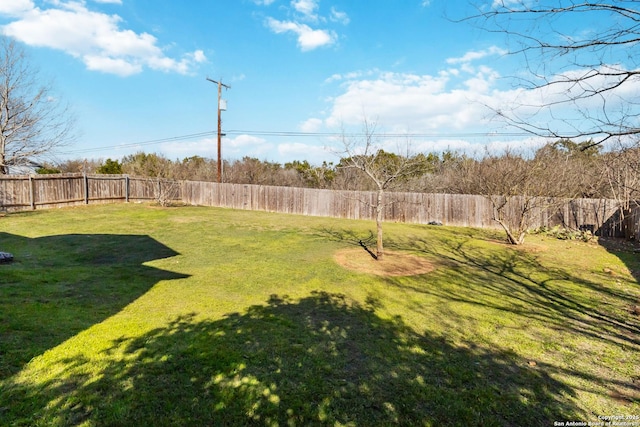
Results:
<point x="6" y="257"/>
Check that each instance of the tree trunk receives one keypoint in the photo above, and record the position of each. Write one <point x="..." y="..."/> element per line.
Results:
<point x="515" y="235"/>
<point x="511" y="236"/>
<point x="3" y="168"/>
<point x="379" y="217"/>
<point x="628" y="227"/>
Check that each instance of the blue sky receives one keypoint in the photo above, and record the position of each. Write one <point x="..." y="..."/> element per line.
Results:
<point x="134" y="72"/>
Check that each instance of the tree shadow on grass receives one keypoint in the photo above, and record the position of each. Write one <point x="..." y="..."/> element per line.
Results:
<point x="350" y="237"/>
<point x="60" y="285"/>
<point x="535" y="290"/>
<point x="514" y="281"/>
<point x="322" y="360"/>
<point x="627" y="251"/>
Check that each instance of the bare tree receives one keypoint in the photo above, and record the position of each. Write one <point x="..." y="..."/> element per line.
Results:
<point x="582" y="59"/>
<point x="381" y="168"/>
<point x="250" y="170"/>
<point x="32" y="121"/>
<point x="621" y="169"/>
<point x="521" y="189"/>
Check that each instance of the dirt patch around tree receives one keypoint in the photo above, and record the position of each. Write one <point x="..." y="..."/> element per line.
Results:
<point x="392" y="264"/>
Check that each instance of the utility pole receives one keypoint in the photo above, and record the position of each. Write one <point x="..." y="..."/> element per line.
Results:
<point x="220" y="84"/>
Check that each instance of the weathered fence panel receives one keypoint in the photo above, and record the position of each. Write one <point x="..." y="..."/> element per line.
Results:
<point x="15" y="193"/>
<point x="106" y="188"/>
<point x="596" y="215"/>
<point x="601" y="216"/>
<point x="19" y="192"/>
<point x="50" y="192"/>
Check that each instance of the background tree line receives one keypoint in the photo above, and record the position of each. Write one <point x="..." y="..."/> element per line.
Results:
<point x="521" y="186"/>
<point x="561" y="169"/>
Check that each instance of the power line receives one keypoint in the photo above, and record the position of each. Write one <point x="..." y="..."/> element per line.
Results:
<point x="136" y="144"/>
<point x="382" y="135"/>
<point x="289" y="134"/>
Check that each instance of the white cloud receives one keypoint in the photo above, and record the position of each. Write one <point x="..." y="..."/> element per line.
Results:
<point x="476" y="55"/>
<point x="232" y="148"/>
<point x="244" y="141"/>
<point x="118" y="67"/>
<point x="207" y="148"/>
<point x="568" y="107"/>
<point x="15" y="7"/>
<point x="198" y="56"/>
<point x="311" y="125"/>
<point x="109" y="1"/>
<point x="508" y="3"/>
<point x="334" y="78"/>
<point x="349" y="76"/>
<point x="238" y="77"/>
<point x="303" y="12"/>
<point x="308" y="38"/>
<point x="246" y="145"/>
<point x="95" y="38"/>
<point x="397" y="98"/>
<point x="448" y="103"/>
<point x="441" y="145"/>
<point x="337" y="16"/>
<point x="263" y="2"/>
<point x="307" y="8"/>
<point x="468" y="146"/>
<point x="297" y="150"/>
<point x="457" y="107"/>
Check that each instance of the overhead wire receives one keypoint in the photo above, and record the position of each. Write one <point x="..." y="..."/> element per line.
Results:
<point x="143" y="143"/>
<point x="291" y="134"/>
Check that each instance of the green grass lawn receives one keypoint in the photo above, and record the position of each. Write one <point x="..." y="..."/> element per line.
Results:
<point x="140" y="315"/>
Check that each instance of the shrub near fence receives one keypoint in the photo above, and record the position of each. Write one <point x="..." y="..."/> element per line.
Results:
<point x="46" y="191"/>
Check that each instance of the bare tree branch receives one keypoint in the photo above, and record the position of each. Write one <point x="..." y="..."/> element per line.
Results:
<point x="586" y="80"/>
<point x="32" y="121"/>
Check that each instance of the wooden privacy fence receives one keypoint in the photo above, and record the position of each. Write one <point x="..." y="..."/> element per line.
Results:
<point x="19" y="192"/>
<point x="46" y="191"/>
<point x="596" y="215"/>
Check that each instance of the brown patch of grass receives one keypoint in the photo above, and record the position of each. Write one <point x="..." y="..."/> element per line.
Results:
<point x="392" y="264"/>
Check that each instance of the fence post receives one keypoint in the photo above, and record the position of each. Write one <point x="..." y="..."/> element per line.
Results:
<point x="85" y="182"/>
<point x="32" y="192"/>
<point x="126" y="188"/>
